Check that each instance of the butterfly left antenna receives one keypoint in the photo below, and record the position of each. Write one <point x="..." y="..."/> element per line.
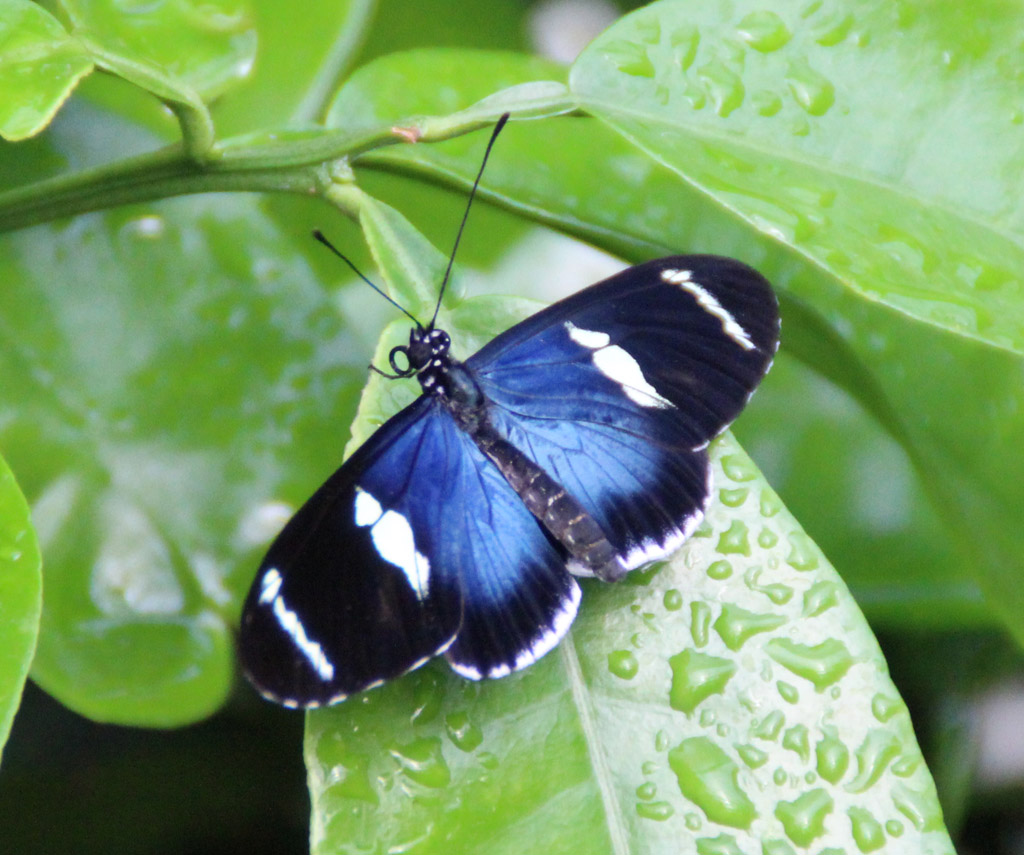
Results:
<point x="465" y="216"/>
<point x="320" y="237"/>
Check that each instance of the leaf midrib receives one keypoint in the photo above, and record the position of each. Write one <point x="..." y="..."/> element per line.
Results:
<point x="618" y="837"/>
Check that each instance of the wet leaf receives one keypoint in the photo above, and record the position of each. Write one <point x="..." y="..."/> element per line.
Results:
<point x="208" y="45"/>
<point x="20" y="596"/>
<point x="40" y="65"/>
<point x="916" y="272"/>
<point x="146" y="401"/>
<point x="731" y="697"/>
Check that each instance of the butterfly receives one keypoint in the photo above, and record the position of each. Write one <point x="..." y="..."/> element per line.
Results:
<point x="573" y="444"/>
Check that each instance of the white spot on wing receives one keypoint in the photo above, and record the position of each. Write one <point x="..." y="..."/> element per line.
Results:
<point x="393" y="539"/>
<point x="270" y="594"/>
<point x="270" y="586"/>
<point x="617" y="365"/>
<point x="368" y="509"/>
<point x="588" y="338"/>
<point x="676" y="277"/>
<point x="392" y="536"/>
<point x="707" y="301"/>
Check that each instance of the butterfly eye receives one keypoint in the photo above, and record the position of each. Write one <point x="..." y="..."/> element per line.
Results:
<point x="400" y="371"/>
<point x="440" y="341"/>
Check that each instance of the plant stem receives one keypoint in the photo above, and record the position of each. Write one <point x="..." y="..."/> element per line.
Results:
<point x="307" y="162"/>
<point x="293" y="164"/>
<point x="168" y="172"/>
<point x="349" y="39"/>
<point x="193" y="117"/>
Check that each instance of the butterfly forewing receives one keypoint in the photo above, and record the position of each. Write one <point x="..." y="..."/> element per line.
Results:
<point x="702" y="330"/>
<point x="617" y="390"/>
<point x="415" y="540"/>
<point x="346" y="597"/>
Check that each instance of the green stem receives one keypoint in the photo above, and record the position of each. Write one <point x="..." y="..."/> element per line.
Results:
<point x="194" y="119"/>
<point x="165" y="173"/>
<point x="333" y="67"/>
<point x="294" y="164"/>
<point x="306" y="162"/>
<point x="196" y="127"/>
<point x="347" y="198"/>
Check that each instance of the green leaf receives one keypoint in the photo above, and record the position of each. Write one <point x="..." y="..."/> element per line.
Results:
<point x="20" y="596"/>
<point x="866" y="212"/>
<point x="209" y="45"/>
<point x="415" y="23"/>
<point x="837" y="459"/>
<point x="182" y="53"/>
<point x="854" y="488"/>
<point x="40" y="64"/>
<point x="731" y="698"/>
<point x="150" y="413"/>
<point x="380" y="93"/>
<point x="413" y="269"/>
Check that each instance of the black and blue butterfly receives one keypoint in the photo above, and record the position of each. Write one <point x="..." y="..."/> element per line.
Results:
<point x="573" y="444"/>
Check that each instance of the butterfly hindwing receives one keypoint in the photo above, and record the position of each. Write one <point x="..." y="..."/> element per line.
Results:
<point x="519" y="599"/>
<point x="413" y="543"/>
<point x="617" y="390"/>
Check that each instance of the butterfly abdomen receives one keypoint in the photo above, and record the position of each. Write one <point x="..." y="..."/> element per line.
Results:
<point x="557" y="510"/>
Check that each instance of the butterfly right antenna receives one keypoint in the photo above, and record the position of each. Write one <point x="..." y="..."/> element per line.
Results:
<point x="465" y="216"/>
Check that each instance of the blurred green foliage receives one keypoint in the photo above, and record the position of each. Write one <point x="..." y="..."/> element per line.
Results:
<point x="169" y="366"/>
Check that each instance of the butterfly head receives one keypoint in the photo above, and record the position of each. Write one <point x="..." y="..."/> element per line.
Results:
<point x="427" y="348"/>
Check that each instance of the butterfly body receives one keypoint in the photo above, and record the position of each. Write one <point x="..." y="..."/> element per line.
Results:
<point x="573" y="444"/>
<point x="455" y="385"/>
